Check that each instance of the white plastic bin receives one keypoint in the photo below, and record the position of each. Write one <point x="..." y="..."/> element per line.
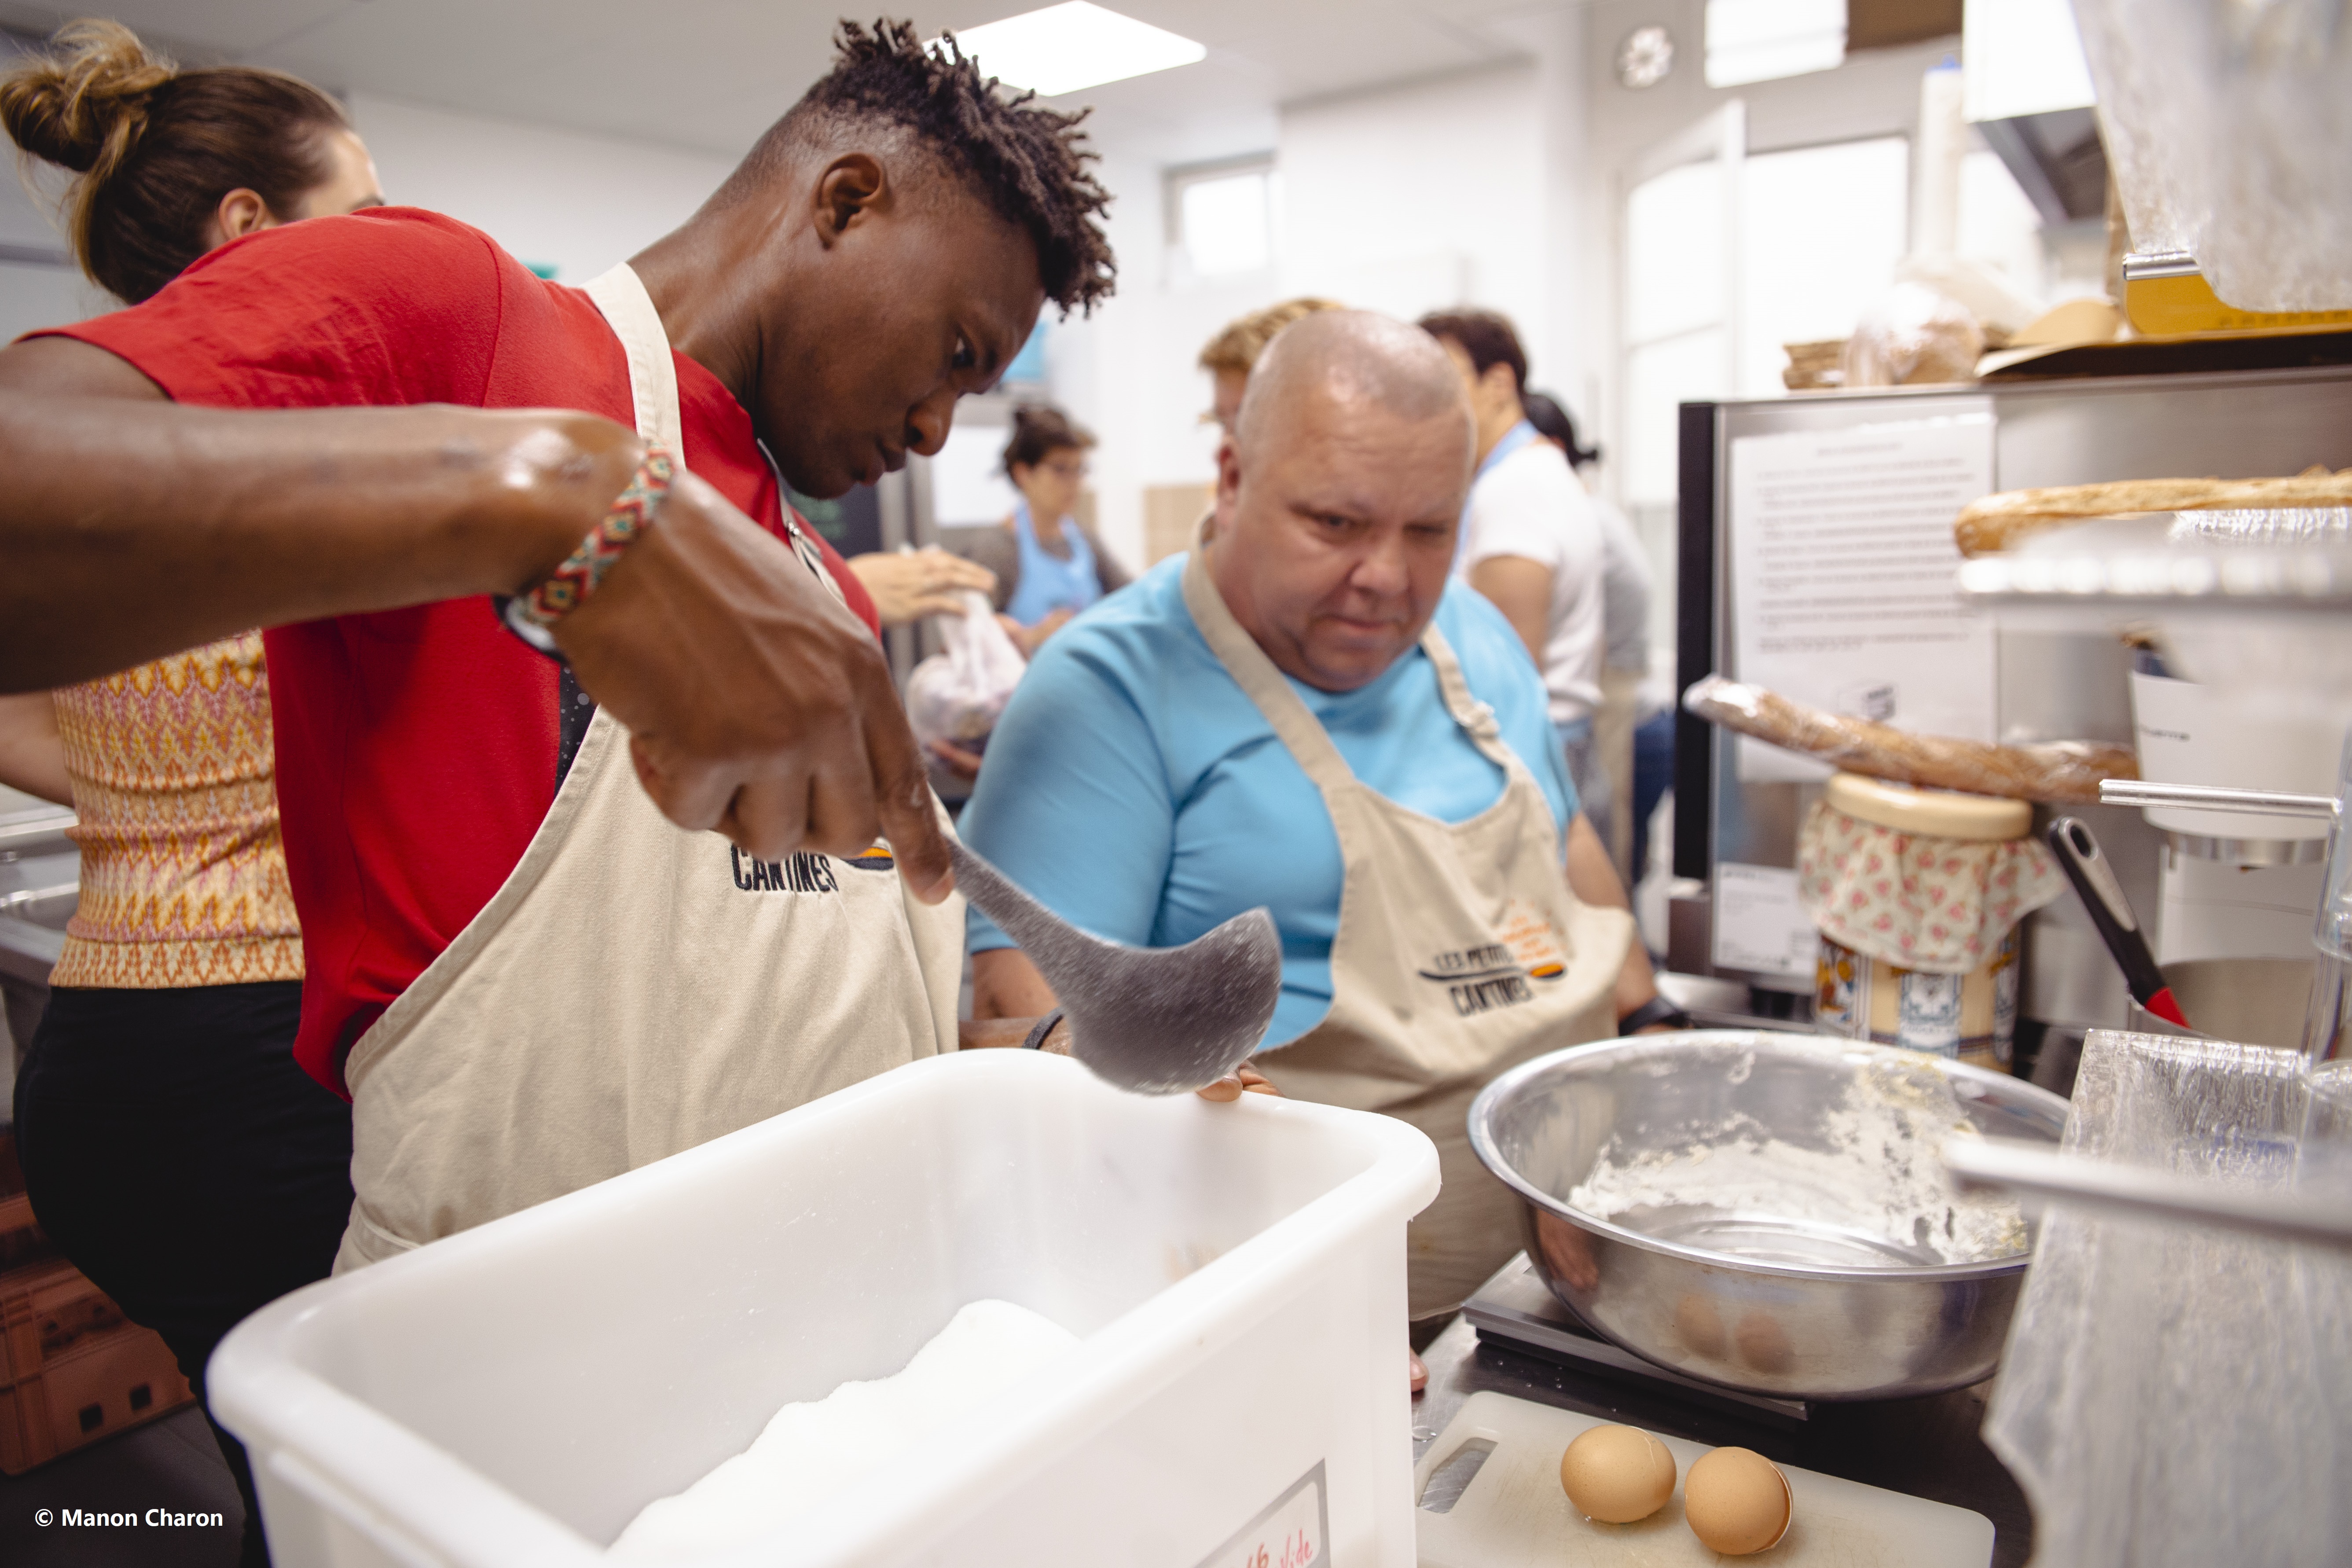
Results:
<point x="512" y="1396"/>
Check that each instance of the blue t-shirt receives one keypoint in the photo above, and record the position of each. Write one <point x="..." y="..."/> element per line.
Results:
<point x="1136" y="790"/>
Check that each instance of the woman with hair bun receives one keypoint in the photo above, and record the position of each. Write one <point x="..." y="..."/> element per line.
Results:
<point x="1048" y="564"/>
<point x="174" y="164"/>
<point x="171" y="1146"/>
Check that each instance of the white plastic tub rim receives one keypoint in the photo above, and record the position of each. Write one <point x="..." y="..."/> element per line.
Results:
<point x="366" y="1470"/>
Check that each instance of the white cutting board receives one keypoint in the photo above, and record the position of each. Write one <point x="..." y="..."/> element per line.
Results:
<point x="1513" y="1514"/>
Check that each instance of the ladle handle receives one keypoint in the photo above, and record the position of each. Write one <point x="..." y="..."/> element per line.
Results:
<point x="1020" y="917"/>
<point x="2025" y="1167"/>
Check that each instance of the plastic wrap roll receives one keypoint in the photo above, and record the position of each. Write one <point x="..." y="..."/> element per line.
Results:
<point x="2226" y="124"/>
<point x="2174" y="1395"/>
<point x="2065" y="771"/>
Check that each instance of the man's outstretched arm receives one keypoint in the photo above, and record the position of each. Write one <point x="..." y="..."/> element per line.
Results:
<point x="132" y="527"/>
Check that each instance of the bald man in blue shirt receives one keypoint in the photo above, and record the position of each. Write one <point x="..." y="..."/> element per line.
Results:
<point x="1304" y="713"/>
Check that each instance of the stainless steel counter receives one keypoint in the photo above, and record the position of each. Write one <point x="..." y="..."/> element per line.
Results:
<point x="39" y="868"/>
<point x="1928" y="1448"/>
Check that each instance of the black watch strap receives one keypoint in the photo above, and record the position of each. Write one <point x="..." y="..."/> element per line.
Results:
<point x="1044" y="1027"/>
<point x="1656" y="1010"/>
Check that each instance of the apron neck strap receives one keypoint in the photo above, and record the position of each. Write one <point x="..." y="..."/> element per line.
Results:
<point x="1294" y="723"/>
<point x="1475" y="717"/>
<point x="629" y="310"/>
<point x="620" y="296"/>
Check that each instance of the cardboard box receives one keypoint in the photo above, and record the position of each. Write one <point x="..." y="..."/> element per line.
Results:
<point x="72" y="1368"/>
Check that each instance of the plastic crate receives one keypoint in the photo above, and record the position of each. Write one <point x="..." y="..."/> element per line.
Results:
<point x="518" y="1393"/>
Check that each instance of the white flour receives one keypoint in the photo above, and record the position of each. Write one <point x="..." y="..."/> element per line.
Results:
<point x="811" y="1450"/>
<point x="1876" y="1172"/>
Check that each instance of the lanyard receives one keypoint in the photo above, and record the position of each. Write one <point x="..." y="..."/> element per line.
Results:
<point x="1517" y="437"/>
<point x="811" y="557"/>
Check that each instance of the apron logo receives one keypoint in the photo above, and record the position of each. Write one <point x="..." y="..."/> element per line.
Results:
<point x="1471" y="997"/>
<point x="793" y="874"/>
<point x="1480" y="979"/>
<point x="1534" y="940"/>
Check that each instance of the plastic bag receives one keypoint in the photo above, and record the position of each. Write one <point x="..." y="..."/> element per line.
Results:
<point x="1911" y="336"/>
<point x="2065" y="771"/>
<point x="957" y="696"/>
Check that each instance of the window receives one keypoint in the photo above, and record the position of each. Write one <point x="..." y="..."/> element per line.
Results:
<point x="1680" y="295"/>
<point x="1821" y="229"/>
<point x="1998" y="225"/>
<point x="1221" y="217"/>
<point x="968" y="486"/>
<point x="1673" y="276"/>
<point x="1816" y="234"/>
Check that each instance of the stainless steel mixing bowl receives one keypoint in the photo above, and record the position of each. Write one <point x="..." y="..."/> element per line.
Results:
<point x="1767" y="1303"/>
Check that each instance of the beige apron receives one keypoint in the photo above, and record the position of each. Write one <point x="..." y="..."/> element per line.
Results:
<point x="632" y="989"/>
<point x="1461" y="952"/>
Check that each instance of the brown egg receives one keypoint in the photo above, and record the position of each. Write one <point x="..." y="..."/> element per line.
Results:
<point x="1700" y="1325"/>
<point x="1737" y="1502"/>
<point x="1763" y="1343"/>
<point x="1617" y="1474"/>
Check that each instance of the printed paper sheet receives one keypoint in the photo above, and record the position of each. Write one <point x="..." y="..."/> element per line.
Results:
<point x="1845" y="578"/>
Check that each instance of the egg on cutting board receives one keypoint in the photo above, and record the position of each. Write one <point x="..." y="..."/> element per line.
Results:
<point x="1737" y="1502"/>
<point x="1617" y="1474"/>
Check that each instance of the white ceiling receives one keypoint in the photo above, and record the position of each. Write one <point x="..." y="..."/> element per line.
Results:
<point x="712" y="74"/>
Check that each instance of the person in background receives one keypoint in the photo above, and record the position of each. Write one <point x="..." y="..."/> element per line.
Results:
<point x="1229" y="356"/>
<point x="1308" y="714"/>
<point x="32" y="752"/>
<point x="171" y="1146"/>
<point x="1531" y="541"/>
<point x="1048" y="564"/>
<point x="1634" y="731"/>
<point x="907" y="584"/>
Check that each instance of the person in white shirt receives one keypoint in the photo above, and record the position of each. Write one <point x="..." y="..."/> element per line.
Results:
<point x="1531" y="541"/>
<point x="1634" y="731"/>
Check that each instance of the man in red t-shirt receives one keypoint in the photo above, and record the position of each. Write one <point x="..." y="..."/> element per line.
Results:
<point x="478" y="940"/>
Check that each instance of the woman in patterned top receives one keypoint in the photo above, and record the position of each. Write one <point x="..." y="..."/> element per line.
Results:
<point x="171" y="1147"/>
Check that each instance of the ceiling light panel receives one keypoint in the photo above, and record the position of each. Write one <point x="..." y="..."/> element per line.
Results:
<point x="1757" y="40"/>
<point x="1065" y="47"/>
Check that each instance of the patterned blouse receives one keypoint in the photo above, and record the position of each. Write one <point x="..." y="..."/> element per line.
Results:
<point x="182" y="877"/>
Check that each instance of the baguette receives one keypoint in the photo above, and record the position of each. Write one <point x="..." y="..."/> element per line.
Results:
<point x="1998" y="521"/>
<point x="2060" y="772"/>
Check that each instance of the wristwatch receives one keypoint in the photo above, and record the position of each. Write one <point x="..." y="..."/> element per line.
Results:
<point x="1041" y="1030"/>
<point x="1656" y="1010"/>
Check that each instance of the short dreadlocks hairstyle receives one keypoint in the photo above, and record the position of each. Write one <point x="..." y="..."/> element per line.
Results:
<point x="1027" y="161"/>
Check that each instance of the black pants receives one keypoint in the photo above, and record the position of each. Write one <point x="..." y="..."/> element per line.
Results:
<point x="176" y="1154"/>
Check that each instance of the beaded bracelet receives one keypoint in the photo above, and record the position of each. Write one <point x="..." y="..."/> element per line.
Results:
<point x="532" y="615"/>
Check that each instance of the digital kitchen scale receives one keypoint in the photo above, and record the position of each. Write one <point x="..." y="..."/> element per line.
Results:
<point x="1517" y="1311"/>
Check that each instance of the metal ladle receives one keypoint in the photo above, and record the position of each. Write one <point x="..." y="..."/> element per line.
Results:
<point x="1153" y="1020"/>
